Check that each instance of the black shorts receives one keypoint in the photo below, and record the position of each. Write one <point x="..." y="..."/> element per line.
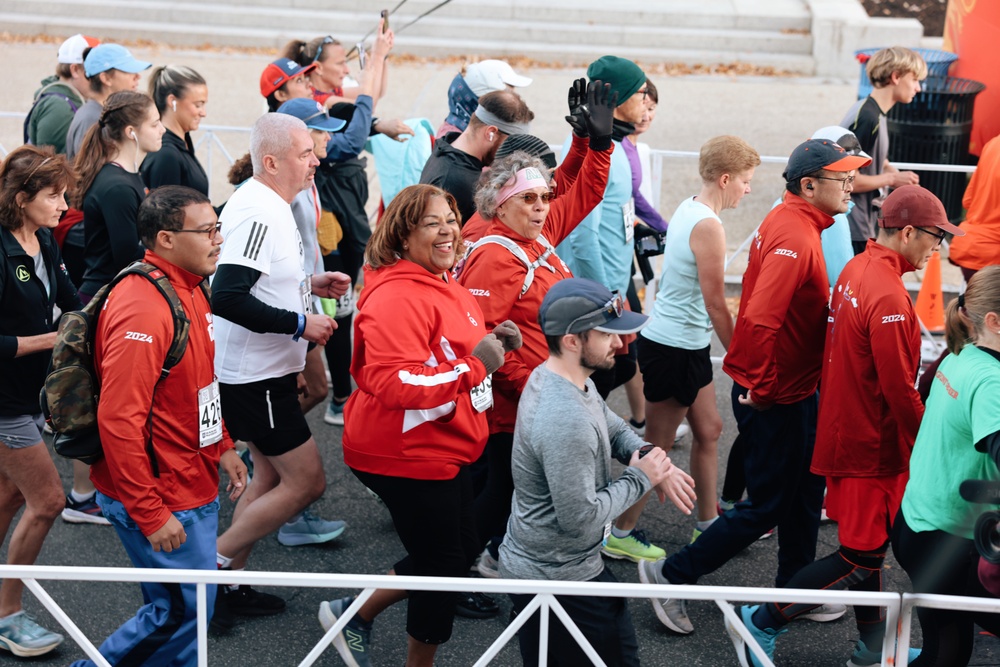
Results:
<point x="266" y="413"/>
<point x="672" y="372"/>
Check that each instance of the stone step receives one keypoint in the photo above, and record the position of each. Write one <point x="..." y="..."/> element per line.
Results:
<point x="577" y="43"/>
<point x="350" y="26"/>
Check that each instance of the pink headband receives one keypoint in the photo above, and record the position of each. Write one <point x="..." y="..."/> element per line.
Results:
<point x="525" y="179"/>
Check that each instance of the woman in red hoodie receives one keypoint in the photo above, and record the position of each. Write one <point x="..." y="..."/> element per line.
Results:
<point x="422" y="360"/>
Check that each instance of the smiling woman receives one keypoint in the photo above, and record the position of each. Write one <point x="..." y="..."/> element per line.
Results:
<point x="181" y="98"/>
<point x="423" y="357"/>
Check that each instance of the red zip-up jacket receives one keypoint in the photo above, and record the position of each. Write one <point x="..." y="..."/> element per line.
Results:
<point x="494" y="276"/>
<point x="869" y="409"/>
<point x="412" y="415"/>
<point x="134" y="332"/>
<point x="777" y="344"/>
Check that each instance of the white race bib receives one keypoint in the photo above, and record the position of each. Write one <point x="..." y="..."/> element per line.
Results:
<point x="209" y="415"/>
<point x="305" y="290"/>
<point x="628" y="219"/>
<point x="482" y="394"/>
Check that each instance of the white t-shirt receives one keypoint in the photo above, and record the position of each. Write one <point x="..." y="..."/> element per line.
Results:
<point x="259" y="232"/>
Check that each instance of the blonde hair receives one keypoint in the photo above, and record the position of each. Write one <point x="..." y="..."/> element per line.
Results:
<point x="725" y="155"/>
<point x="893" y="60"/>
<point x="964" y="319"/>
<point x="401" y="217"/>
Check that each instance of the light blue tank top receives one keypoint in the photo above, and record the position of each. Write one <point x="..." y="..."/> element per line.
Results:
<point x="679" y="318"/>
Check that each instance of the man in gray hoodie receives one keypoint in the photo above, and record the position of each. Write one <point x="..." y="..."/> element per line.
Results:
<point x="565" y="496"/>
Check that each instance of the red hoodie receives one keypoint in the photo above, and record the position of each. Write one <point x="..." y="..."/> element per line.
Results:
<point x="134" y="331"/>
<point x="777" y="344"/>
<point x="412" y="415"/>
<point x="869" y="410"/>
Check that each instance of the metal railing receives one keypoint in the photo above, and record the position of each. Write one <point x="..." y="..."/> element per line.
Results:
<point x="898" y="606"/>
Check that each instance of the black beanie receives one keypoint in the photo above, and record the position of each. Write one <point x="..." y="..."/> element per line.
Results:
<point x="531" y="145"/>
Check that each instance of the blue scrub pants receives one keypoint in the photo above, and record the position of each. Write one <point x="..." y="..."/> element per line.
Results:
<point x="164" y="631"/>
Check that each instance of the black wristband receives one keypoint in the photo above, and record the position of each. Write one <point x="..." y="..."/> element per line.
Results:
<point x="600" y="143"/>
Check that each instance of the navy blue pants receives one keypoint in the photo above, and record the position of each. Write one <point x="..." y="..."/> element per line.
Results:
<point x="164" y="631"/>
<point x="780" y="492"/>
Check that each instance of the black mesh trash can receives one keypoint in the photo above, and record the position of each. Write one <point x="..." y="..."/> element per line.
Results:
<point x="935" y="128"/>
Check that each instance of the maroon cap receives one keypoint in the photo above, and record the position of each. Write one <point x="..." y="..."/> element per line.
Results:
<point x="917" y="207"/>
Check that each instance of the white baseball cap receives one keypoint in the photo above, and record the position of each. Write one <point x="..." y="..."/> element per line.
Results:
<point x="491" y="75"/>
<point x="71" y="51"/>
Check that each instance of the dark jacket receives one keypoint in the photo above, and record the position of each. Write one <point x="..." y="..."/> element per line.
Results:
<point x="26" y="310"/>
<point x="455" y="172"/>
<point x="109" y="214"/>
<point x="174" y="164"/>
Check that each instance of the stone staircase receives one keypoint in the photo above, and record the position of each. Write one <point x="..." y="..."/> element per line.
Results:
<point x="784" y="34"/>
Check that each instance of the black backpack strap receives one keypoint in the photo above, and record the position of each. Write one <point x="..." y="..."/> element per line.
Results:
<point x="31" y="111"/>
<point x="182" y="326"/>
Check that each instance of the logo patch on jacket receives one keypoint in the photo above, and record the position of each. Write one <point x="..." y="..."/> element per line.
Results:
<point x="139" y="336"/>
<point x="785" y="252"/>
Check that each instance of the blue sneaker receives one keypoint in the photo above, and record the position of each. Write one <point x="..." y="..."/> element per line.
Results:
<point x="308" y="528"/>
<point x="766" y="637"/>
<point x="334" y="413"/>
<point x="20" y="635"/>
<point x="86" y="511"/>
<point x="354" y="641"/>
<point x="863" y="657"/>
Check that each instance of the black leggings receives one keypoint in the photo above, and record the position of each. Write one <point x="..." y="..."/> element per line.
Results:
<point x="492" y="506"/>
<point x="939" y="562"/>
<point x="433" y="519"/>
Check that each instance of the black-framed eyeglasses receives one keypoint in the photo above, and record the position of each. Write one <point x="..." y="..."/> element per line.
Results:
<point x="530" y="198"/>
<point x="645" y="93"/>
<point x="844" y="182"/>
<point x="319" y="50"/>
<point x="615" y="306"/>
<point x="940" y="237"/>
<point x="212" y="231"/>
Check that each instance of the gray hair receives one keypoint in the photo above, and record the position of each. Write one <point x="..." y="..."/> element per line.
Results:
<point x="502" y="170"/>
<point x="272" y="135"/>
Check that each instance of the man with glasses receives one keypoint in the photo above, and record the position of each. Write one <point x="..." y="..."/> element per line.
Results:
<point x="774" y="360"/>
<point x="869" y="412"/>
<point x="564" y="494"/>
<point x="164" y="439"/>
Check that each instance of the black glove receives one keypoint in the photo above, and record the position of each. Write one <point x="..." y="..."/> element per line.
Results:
<point x="489" y="351"/>
<point x="576" y="98"/>
<point x="509" y="335"/>
<point x="599" y="112"/>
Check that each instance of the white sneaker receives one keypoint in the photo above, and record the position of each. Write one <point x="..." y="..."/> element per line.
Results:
<point x="824" y="613"/>
<point x="682" y="431"/>
<point x="671" y="612"/>
<point x="487" y="566"/>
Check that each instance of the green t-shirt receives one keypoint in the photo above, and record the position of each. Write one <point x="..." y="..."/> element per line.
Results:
<point x="962" y="409"/>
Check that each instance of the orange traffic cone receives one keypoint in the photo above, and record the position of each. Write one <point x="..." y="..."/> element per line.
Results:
<point x="930" y="300"/>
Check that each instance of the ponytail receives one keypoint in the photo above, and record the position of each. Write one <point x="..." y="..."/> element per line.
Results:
<point x="168" y="80"/>
<point x="102" y="141"/>
<point x="296" y="50"/>
<point x="965" y="317"/>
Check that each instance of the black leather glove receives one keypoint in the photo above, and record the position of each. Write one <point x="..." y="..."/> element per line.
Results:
<point x="599" y="113"/>
<point x="577" y="97"/>
<point x="509" y="335"/>
<point x="489" y="351"/>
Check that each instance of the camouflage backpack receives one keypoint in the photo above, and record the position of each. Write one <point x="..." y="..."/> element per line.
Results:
<point x="70" y="397"/>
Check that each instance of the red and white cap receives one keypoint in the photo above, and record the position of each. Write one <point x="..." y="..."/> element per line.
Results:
<point x="71" y="51"/>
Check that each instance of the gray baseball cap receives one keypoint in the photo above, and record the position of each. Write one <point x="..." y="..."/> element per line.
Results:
<point x="575" y="305"/>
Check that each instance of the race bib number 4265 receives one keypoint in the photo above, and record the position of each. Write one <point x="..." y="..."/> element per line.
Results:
<point x="209" y="415"/>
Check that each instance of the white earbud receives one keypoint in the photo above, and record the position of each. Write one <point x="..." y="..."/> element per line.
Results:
<point x="174" y="104"/>
<point x="131" y="135"/>
<point x="491" y="136"/>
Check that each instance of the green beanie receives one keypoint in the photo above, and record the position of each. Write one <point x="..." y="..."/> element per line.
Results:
<point x="624" y="75"/>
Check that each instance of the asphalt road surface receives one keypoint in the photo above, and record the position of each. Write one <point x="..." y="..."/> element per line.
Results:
<point x="369" y="545"/>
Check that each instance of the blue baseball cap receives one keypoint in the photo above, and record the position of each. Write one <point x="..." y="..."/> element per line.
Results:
<point x="112" y="56"/>
<point x="312" y="113"/>
<point x="575" y="305"/>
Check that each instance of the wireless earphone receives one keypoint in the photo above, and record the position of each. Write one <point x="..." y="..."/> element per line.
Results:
<point x="809" y="186"/>
<point x="491" y="136"/>
<point x="174" y="105"/>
